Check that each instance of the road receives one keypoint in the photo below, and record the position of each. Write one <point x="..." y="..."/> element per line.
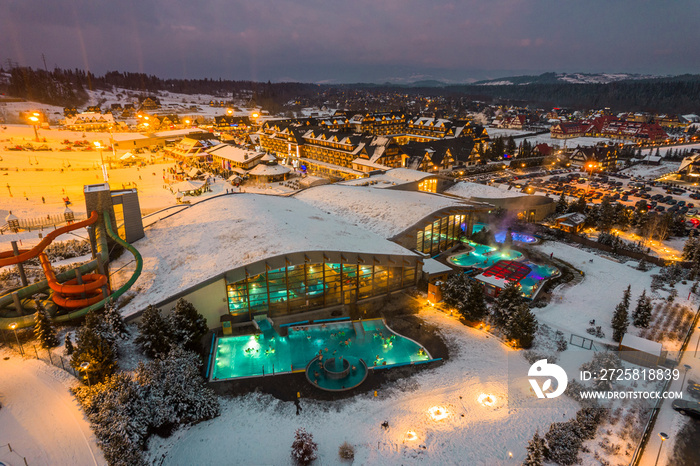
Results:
<point x="39" y="416"/>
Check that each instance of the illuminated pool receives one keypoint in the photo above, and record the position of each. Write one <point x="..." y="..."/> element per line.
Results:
<point x="501" y="235"/>
<point x="539" y="273"/>
<point x="483" y="256"/>
<point x="269" y="353"/>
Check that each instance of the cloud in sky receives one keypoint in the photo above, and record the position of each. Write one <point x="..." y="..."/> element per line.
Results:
<point x="361" y="40"/>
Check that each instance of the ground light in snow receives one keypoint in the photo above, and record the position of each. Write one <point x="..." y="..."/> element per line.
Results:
<point x="487" y="400"/>
<point x="411" y="436"/>
<point x="438" y="413"/>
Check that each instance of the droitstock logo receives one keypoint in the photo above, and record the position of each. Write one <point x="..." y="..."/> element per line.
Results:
<point x="541" y="369"/>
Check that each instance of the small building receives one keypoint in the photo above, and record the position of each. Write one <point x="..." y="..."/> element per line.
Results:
<point x="641" y="351"/>
<point x="571" y="223"/>
<point x="500" y="275"/>
<point x="596" y="157"/>
<point x="269" y="171"/>
<point x="236" y="159"/>
<point x="689" y="169"/>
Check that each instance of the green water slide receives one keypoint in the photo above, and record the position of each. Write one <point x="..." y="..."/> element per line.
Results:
<point x="28" y="320"/>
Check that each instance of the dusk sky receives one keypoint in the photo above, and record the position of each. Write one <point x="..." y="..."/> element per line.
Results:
<point x="351" y="41"/>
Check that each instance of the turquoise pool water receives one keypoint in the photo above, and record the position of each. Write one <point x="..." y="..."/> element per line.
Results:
<point x="536" y="277"/>
<point x="257" y="355"/>
<point x="500" y="235"/>
<point x="483" y="256"/>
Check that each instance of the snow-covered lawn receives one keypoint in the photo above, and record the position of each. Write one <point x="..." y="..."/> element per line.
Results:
<point x="39" y="416"/>
<point x="601" y="290"/>
<point x="259" y="428"/>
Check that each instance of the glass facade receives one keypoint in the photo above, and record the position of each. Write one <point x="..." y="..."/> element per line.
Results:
<point x="441" y="234"/>
<point x="303" y="287"/>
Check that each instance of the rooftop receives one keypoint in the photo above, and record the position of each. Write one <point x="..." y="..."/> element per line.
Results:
<point x="480" y="191"/>
<point x="227" y="232"/>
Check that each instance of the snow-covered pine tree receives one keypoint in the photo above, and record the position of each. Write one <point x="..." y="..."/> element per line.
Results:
<point x="641" y="316"/>
<point x="97" y="321"/>
<point x="522" y="326"/>
<point x="44" y="330"/>
<point x="627" y="297"/>
<point x="536" y="448"/>
<point x="187" y="325"/>
<point x="154" y="336"/>
<point x="177" y="389"/>
<point x="563" y="442"/>
<point x="506" y="304"/>
<point x="115" y="320"/>
<point x="455" y="289"/>
<point x="68" y="345"/>
<point x="620" y="322"/>
<point x="92" y="347"/>
<point x="303" y="448"/>
<point x="473" y="307"/>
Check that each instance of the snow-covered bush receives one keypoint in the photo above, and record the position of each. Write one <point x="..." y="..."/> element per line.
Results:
<point x="303" y="448"/>
<point x="605" y="361"/>
<point x="346" y="451"/>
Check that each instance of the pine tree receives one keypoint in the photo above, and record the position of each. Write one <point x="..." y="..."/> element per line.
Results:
<point x="187" y="325"/>
<point x="522" y="326"/>
<point x="455" y="290"/>
<point x="606" y="215"/>
<point x="116" y="321"/>
<point x="536" y="448"/>
<point x="626" y="297"/>
<point x="303" y="448"/>
<point x="474" y="306"/>
<point x="43" y="328"/>
<point x="506" y="304"/>
<point x="620" y="322"/>
<point x="68" y="345"/>
<point x="562" y="204"/>
<point x="154" y="336"/>
<point x="641" y="317"/>
<point x="96" y="350"/>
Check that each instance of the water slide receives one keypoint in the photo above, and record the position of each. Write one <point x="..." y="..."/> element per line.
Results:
<point x="69" y="276"/>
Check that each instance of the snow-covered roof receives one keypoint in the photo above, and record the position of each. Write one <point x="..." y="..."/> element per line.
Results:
<point x="480" y="191"/>
<point x="234" y="153"/>
<point x="641" y="344"/>
<point x="431" y="266"/>
<point x="269" y="170"/>
<point x="386" y="212"/>
<point x="393" y="177"/>
<point x="121" y="137"/>
<point x="228" y="232"/>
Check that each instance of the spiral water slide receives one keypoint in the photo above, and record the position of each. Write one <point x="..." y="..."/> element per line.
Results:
<point x="66" y="287"/>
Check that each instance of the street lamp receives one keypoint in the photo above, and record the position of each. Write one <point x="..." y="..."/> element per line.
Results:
<point x="35" y="121"/>
<point x="696" y="346"/>
<point x="687" y="368"/>
<point x="84" y="366"/>
<point x="13" y="326"/>
<point x="664" y="437"/>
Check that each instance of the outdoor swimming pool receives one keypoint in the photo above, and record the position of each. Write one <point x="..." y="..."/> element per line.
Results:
<point x="483" y="256"/>
<point x="539" y="273"/>
<point x="500" y="235"/>
<point x="270" y="353"/>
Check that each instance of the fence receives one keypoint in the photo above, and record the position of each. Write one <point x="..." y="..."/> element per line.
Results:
<point x="636" y="458"/>
<point x="40" y="223"/>
<point x="7" y="445"/>
<point x="32" y="350"/>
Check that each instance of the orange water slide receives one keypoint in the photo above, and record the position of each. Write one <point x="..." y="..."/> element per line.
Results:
<point x="91" y="281"/>
<point x="9" y="258"/>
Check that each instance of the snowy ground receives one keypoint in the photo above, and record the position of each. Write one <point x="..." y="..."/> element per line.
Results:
<point x="260" y="428"/>
<point x="39" y="416"/>
<point x="601" y="290"/>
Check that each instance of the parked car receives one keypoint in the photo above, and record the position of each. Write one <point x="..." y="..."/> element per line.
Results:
<point x="687" y="408"/>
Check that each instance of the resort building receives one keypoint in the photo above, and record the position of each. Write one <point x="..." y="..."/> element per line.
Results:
<point x="89" y="122"/>
<point x="595" y="157"/>
<point x="268" y="170"/>
<point x="327" y="251"/>
<point x="234" y="159"/>
<point x="192" y="150"/>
